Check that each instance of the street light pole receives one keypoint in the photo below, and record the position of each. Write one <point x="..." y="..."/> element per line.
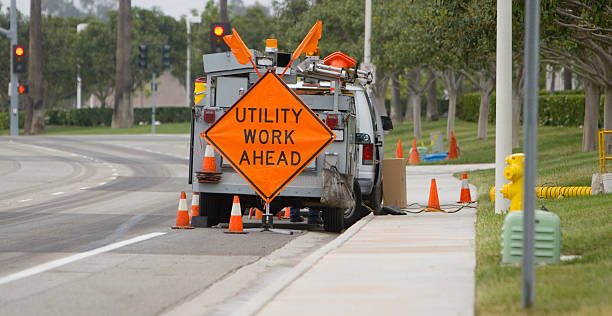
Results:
<point x="80" y="27"/>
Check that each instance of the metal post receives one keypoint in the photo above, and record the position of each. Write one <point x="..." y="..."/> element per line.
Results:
<point x="14" y="115"/>
<point x="78" y="105"/>
<point x="153" y="89"/>
<point x="532" y="31"/>
<point x="80" y="27"/>
<point x="188" y="71"/>
<point x="503" y="100"/>
<point x="368" y="32"/>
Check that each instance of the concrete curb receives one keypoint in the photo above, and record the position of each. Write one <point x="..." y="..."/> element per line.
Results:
<point x="258" y="301"/>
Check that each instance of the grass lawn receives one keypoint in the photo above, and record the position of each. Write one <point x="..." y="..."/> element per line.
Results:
<point x="581" y="287"/>
<point x="166" y="128"/>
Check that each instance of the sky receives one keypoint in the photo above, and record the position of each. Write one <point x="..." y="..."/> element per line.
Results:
<point x="175" y="8"/>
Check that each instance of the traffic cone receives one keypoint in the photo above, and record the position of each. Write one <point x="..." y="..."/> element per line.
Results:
<point x="258" y="213"/>
<point x="414" y="153"/>
<point x="399" y="152"/>
<point x="452" y="151"/>
<point x="433" y="202"/>
<point x="235" y="224"/>
<point x="209" y="164"/>
<point x="182" y="215"/>
<point x="209" y="172"/>
<point x="465" y="196"/>
<point x="195" y="205"/>
<point x="287" y="212"/>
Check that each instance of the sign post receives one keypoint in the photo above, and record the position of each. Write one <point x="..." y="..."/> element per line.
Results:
<point x="269" y="136"/>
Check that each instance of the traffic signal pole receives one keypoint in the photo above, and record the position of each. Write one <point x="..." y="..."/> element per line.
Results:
<point x="14" y="112"/>
<point x="153" y="88"/>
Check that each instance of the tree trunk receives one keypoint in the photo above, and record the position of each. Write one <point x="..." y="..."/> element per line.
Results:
<point x="409" y="114"/>
<point x="486" y="87"/>
<point x="416" y="110"/>
<point x="396" y="107"/>
<point x="516" y="117"/>
<point x="452" y="108"/>
<point x="567" y="79"/>
<point x="553" y="77"/>
<point x="380" y="89"/>
<point x="432" y="101"/>
<point x="35" y="108"/>
<point x="608" y="117"/>
<point x="123" y="114"/>
<point x="452" y="83"/>
<point x="591" y="115"/>
<point x="517" y="98"/>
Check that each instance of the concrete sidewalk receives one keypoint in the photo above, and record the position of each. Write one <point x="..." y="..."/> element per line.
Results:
<point x="391" y="265"/>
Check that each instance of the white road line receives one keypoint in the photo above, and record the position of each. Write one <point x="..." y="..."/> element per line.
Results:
<point x="63" y="261"/>
<point x="113" y="178"/>
<point x="57" y="193"/>
<point x="102" y="183"/>
<point x="84" y="188"/>
<point x="25" y="200"/>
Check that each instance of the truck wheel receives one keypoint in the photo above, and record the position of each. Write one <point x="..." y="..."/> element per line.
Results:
<point x="355" y="213"/>
<point x="333" y="220"/>
<point x="214" y="206"/>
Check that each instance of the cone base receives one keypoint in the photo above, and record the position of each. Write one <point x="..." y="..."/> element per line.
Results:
<point x="182" y="227"/>
<point x="230" y="232"/>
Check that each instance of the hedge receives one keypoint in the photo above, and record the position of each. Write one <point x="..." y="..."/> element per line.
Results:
<point x="102" y="117"/>
<point x="559" y="109"/>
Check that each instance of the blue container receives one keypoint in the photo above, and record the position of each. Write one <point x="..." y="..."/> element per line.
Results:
<point x="435" y="157"/>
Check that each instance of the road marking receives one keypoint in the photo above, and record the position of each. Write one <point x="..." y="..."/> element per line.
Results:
<point x="57" y="193"/>
<point x="25" y="200"/>
<point x="113" y="178"/>
<point x="102" y="183"/>
<point x="63" y="261"/>
<point x="84" y="188"/>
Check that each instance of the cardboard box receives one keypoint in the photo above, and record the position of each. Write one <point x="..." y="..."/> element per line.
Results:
<point x="394" y="182"/>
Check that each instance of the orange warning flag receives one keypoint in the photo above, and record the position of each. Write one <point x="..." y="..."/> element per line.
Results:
<point x="310" y="42"/>
<point x="239" y="49"/>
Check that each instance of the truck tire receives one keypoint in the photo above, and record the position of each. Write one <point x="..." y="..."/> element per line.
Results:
<point x="352" y="215"/>
<point x="215" y="207"/>
<point x="333" y="220"/>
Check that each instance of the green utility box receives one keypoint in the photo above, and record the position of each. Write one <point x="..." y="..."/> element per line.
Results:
<point x="547" y="238"/>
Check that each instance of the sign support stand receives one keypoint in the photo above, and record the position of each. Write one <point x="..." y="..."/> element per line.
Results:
<point x="267" y="220"/>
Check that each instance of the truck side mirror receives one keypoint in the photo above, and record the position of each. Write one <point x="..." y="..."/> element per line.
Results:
<point x="387" y="124"/>
<point x="362" y="138"/>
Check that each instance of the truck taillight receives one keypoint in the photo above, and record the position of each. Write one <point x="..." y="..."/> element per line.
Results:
<point x="209" y="116"/>
<point x="332" y="120"/>
<point x="368" y="154"/>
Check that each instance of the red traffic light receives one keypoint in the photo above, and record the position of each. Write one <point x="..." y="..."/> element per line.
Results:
<point x="19" y="51"/>
<point x="218" y="30"/>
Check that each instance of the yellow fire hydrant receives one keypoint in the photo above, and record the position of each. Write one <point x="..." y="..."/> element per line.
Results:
<point x="514" y="190"/>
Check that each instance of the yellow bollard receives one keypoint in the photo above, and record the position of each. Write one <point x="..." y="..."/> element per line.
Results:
<point x="514" y="190"/>
<point x="199" y="90"/>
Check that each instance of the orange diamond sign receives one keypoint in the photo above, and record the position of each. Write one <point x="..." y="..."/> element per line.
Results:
<point x="269" y="135"/>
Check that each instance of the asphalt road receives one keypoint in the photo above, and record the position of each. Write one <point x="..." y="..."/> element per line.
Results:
<point x="65" y="203"/>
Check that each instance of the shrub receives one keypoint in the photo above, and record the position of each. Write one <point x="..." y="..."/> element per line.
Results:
<point x="558" y="109"/>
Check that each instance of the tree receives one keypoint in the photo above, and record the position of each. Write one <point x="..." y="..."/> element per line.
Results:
<point x="123" y="114"/>
<point x="95" y="52"/>
<point x="579" y="35"/>
<point x="35" y="113"/>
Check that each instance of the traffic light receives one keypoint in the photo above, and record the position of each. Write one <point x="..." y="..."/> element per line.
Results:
<point x="19" y="64"/>
<point x="165" y="56"/>
<point x="143" y="56"/>
<point x="217" y="31"/>
<point x="23" y="89"/>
